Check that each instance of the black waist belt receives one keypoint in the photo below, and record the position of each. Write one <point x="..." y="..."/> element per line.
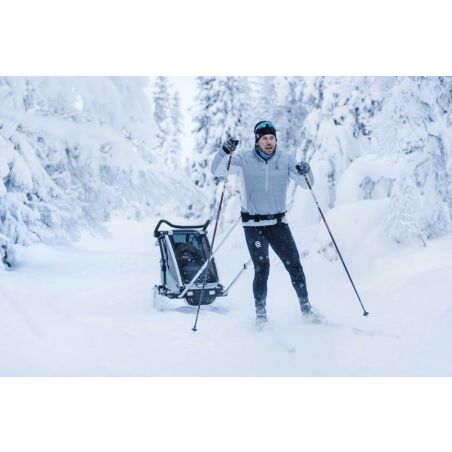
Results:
<point x="276" y="216"/>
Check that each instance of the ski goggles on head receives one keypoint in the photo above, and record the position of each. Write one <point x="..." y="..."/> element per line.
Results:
<point x="264" y="124"/>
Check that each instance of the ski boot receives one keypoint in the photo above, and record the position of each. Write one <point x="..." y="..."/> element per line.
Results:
<point x="308" y="313"/>
<point x="261" y="315"/>
<point x="261" y="321"/>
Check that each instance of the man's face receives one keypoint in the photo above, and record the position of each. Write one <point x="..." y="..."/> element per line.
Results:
<point x="267" y="144"/>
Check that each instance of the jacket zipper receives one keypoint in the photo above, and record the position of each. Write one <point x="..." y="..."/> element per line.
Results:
<point x="266" y="176"/>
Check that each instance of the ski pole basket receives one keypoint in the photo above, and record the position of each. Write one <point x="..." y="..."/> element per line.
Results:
<point x="184" y="250"/>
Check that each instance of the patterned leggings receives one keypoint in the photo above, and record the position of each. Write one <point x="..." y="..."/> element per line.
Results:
<point x="279" y="237"/>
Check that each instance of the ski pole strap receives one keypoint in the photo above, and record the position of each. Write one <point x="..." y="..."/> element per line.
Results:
<point x="275" y="216"/>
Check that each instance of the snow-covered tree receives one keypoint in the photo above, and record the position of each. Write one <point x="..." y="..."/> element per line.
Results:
<point x="289" y="116"/>
<point x="264" y="108"/>
<point x="168" y="118"/>
<point x="420" y="198"/>
<point x="175" y="132"/>
<point x="33" y="207"/>
<point x="73" y="150"/>
<point x="162" y="114"/>
<point x="336" y="128"/>
<point x="289" y="113"/>
<point x="222" y="110"/>
<point x="442" y="106"/>
<point x="281" y="100"/>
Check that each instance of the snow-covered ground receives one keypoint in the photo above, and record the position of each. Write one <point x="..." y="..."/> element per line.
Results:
<point x="86" y="310"/>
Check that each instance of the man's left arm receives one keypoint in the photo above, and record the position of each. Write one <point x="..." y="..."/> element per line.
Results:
<point x="298" y="171"/>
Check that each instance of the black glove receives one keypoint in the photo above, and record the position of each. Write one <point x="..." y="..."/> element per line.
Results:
<point x="303" y="168"/>
<point x="230" y="145"/>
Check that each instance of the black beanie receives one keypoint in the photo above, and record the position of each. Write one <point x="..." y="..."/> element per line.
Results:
<point x="264" y="128"/>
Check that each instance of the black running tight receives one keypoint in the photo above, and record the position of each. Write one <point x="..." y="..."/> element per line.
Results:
<point x="279" y="237"/>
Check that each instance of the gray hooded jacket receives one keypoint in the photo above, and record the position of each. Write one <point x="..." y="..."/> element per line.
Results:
<point x="264" y="183"/>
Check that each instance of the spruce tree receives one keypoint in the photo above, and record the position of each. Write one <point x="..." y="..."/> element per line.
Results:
<point x="420" y="197"/>
<point x="222" y="110"/>
<point x="168" y="118"/>
<point x="175" y="132"/>
<point x="162" y="115"/>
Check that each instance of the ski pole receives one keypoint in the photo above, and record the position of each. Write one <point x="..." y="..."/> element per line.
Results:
<point x="213" y="240"/>
<point x="365" y="313"/>
<point x="245" y="266"/>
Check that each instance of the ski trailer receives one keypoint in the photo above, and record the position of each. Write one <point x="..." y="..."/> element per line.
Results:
<point x="187" y="266"/>
<point x="186" y="263"/>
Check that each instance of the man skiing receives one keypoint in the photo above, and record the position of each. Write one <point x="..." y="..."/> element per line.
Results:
<point x="265" y="173"/>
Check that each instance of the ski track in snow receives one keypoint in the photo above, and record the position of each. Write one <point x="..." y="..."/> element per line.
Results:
<point x="86" y="310"/>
